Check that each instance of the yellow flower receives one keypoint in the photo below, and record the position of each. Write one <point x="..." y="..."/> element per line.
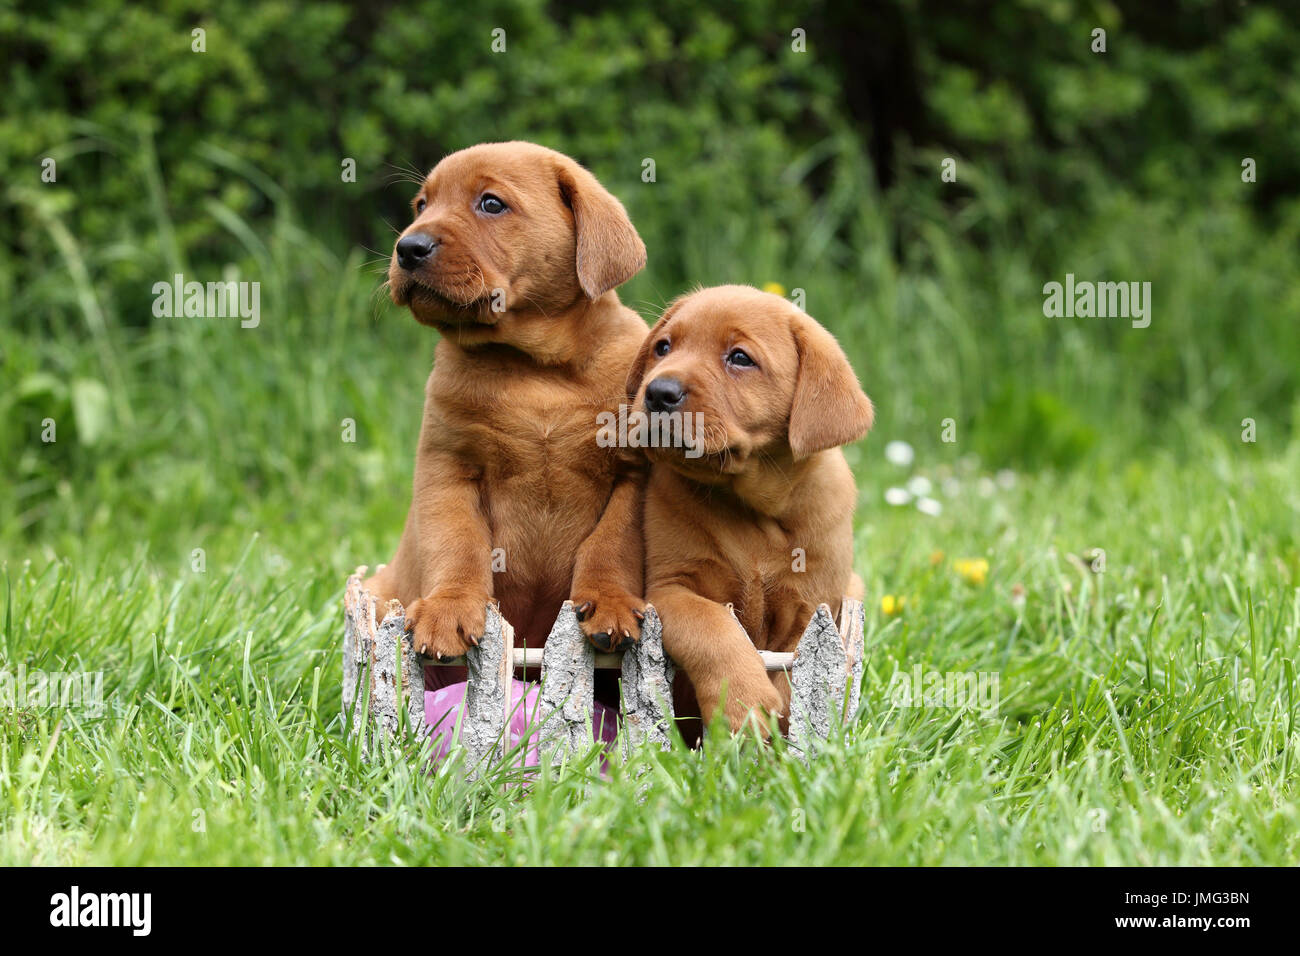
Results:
<point x="936" y="557"/>
<point x="891" y="605"/>
<point x="774" y="287"/>
<point x="973" y="570"/>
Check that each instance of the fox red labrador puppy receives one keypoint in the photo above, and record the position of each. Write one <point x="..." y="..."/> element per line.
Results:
<point x="756" y="512"/>
<point x="513" y="255"/>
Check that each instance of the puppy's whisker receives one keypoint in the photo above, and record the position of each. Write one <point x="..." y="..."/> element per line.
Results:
<point x="716" y="433"/>
<point x="378" y="266"/>
<point x="377" y="296"/>
<point x="482" y="282"/>
<point x="651" y="307"/>
<point x="406" y="173"/>
<point x="538" y="306"/>
<point x="776" y="469"/>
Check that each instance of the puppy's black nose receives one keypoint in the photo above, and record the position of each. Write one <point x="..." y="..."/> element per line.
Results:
<point x="412" y="250"/>
<point x="664" y="394"/>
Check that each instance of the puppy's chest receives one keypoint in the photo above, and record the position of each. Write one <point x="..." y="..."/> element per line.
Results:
<point x="523" y="439"/>
<point x="766" y="554"/>
<point x="780" y="573"/>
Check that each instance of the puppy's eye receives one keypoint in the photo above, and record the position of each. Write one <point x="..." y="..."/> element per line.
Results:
<point x="662" y="347"/>
<point x="491" y="205"/>
<point x="740" y="358"/>
<point x="419" y="206"/>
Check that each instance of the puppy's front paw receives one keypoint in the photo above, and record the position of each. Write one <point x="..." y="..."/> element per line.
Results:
<point x="609" y="617"/>
<point x="746" y="699"/>
<point x="446" y="623"/>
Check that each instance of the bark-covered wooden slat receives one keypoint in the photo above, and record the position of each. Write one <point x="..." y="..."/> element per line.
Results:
<point x="819" y="678"/>
<point x="568" y="678"/>
<point x="380" y="663"/>
<point x="487" y="694"/>
<point x="647" y="687"/>
<point x="853" y="630"/>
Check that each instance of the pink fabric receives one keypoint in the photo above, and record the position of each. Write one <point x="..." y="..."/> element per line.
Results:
<point x="442" y="709"/>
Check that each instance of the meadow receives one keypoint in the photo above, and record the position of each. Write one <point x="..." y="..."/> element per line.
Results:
<point x="1109" y="529"/>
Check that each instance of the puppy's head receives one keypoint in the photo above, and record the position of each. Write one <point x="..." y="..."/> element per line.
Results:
<point x="766" y="380"/>
<point x="505" y="234"/>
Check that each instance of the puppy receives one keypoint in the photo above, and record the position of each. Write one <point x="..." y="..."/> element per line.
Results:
<point x="756" y="513"/>
<point x="513" y="256"/>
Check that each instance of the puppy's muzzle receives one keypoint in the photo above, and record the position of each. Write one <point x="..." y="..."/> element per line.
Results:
<point x="414" y="250"/>
<point x="664" y="394"/>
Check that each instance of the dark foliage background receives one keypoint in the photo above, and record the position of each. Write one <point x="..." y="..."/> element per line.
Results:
<point x="816" y="170"/>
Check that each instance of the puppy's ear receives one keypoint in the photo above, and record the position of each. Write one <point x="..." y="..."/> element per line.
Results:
<point x="609" y="250"/>
<point x="829" y="407"/>
<point x="637" y="371"/>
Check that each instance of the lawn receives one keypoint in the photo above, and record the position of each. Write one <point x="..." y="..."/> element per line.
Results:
<point x="1108" y="534"/>
<point x="196" y="550"/>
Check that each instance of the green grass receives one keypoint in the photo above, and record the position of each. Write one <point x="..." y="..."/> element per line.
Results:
<point x="1146" y="711"/>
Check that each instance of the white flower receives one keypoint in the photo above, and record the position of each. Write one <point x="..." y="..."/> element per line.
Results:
<point x="1006" y="478"/>
<point x="899" y="453"/>
<point x="897" y="496"/>
<point x="951" y="487"/>
<point x="929" y="506"/>
<point x="986" y="487"/>
<point x="919" y="485"/>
